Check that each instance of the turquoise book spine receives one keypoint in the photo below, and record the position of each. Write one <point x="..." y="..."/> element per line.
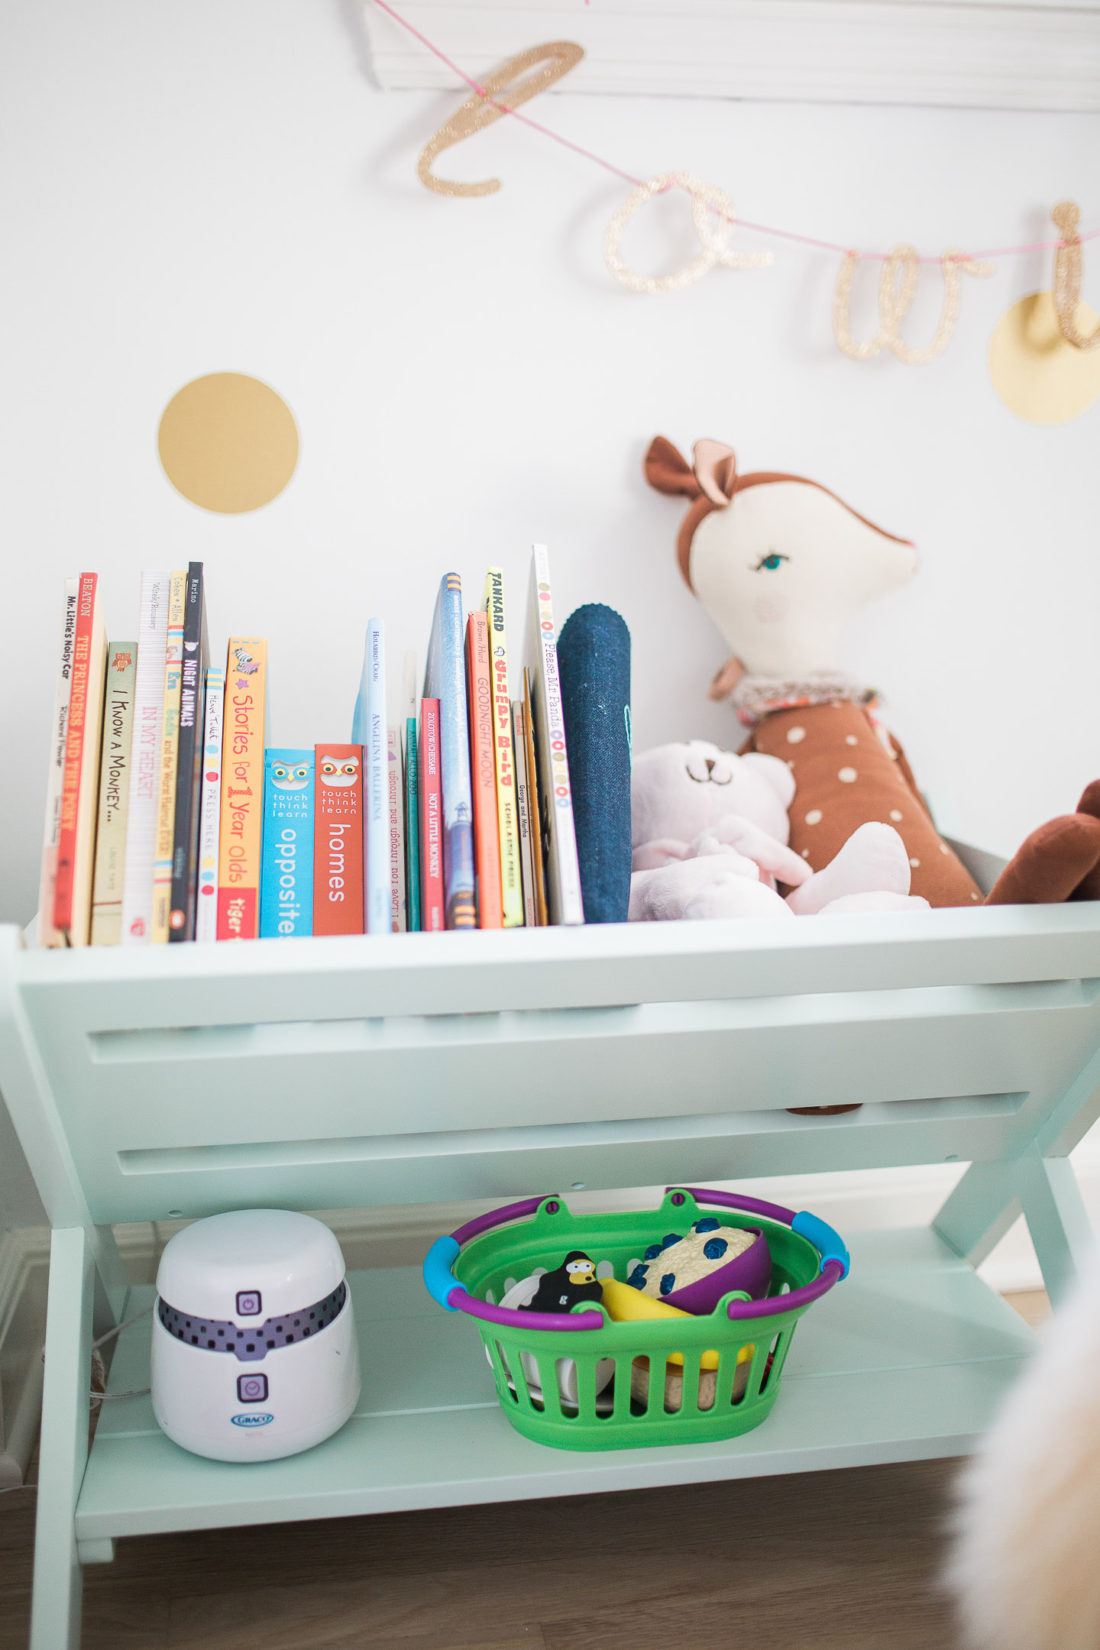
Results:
<point x="286" y="867"/>
<point x="412" y="827"/>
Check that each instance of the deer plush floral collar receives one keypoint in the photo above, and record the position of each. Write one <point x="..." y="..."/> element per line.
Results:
<point x="756" y="696"/>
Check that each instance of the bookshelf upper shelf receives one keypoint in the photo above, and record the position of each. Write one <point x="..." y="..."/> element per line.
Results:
<point x="1038" y="55"/>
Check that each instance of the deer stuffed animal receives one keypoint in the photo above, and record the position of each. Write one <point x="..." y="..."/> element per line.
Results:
<point x="780" y="563"/>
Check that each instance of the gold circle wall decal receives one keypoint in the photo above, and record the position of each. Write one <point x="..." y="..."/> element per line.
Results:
<point x="1035" y="371"/>
<point x="228" y="442"/>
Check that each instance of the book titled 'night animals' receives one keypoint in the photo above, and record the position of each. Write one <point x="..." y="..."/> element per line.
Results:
<point x="168" y="819"/>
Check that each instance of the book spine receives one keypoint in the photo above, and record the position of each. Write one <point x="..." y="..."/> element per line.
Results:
<point x="79" y="789"/>
<point x="169" y="755"/>
<point x="376" y="835"/>
<point x="446" y="681"/>
<point x="535" y="808"/>
<point x="286" y="879"/>
<point x="479" y="694"/>
<point x="524" y="819"/>
<point x="137" y="893"/>
<point x="185" y="835"/>
<point x="412" y="825"/>
<point x="338" y="840"/>
<point x="432" y="909"/>
<point x="395" y="805"/>
<point x="206" y="899"/>
<point x="47" y="933"/>
<point x="114" y="794"/>
<point x="240" y="832"/>
<point x="563" y="876"/>
<point x="511" y="881"/>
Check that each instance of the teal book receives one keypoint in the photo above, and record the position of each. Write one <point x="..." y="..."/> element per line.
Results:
<point x="286" y="861"/>
<point x="412" y="827"/>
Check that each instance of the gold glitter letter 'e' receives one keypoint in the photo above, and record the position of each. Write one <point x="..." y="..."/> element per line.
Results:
<point x="1067" y="277"/>
<point x="558" y="56"/>
<point x="900" y="272"/>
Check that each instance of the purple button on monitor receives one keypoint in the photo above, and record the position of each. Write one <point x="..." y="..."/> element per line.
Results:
<point x="251" y="1389"/>
<point x="249" y="1304"/>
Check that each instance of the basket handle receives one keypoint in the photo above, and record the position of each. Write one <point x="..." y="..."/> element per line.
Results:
<point x="443" y="1286"/>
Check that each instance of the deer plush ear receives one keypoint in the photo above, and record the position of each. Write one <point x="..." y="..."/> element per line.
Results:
<point x="715" y="471"/>
<point x="668" y="470"/>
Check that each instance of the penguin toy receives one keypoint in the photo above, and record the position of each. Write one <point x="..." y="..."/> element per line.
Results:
<point x="574" y="1281"/>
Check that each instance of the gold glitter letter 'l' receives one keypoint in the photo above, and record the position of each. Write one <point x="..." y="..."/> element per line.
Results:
<point x="557" y="56"/>
<point x="1067" y="277"/>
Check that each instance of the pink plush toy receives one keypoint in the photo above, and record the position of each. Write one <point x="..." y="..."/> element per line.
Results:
<point x="710" y="832"/>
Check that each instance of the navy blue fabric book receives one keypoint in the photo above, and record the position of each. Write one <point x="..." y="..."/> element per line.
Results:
<point x="594" y="665"/>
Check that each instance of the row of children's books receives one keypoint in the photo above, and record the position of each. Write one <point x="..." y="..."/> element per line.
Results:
<point x="169" y="818"/>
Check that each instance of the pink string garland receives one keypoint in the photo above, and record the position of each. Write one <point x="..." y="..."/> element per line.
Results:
<point x="638" y="183"/>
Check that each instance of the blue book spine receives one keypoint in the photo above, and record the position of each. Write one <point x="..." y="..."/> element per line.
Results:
<point x="445" y="680"/>
<point x="412" y="826"/>
<point x="594" y="667"/>
<point x="286" y="871"/>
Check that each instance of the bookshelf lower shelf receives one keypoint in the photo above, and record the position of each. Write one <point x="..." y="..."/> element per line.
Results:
<point x="906" y="1360"/>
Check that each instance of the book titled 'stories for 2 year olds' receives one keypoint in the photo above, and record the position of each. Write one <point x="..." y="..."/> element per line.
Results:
<point x="242" y="790"/>
<point x="338" y="840"/>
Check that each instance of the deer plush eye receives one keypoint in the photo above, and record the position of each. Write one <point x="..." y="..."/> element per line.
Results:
<point x="771" y="561"/>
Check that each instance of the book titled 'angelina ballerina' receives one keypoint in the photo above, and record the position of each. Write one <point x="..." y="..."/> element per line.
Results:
<point x="445" y="680"/>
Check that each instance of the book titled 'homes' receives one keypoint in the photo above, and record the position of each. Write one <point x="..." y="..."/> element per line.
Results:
<point x="241" y="826"/>
<point x="338" y="840"/>
<point x="286" y="883"/>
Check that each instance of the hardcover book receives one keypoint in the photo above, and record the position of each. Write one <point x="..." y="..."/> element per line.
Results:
<point x="185" y="836"/>
<point x="511" y="882"/>
<point x="286" y="877"/>
<point x="534" y="887"/>
<point x="114" y="793"/>
<point x="141" y="829"/>
<point x="395" y="802"/>
<point x="432" y="911"/>
<point x="72" y="906"/>
<point x="479" y="691"/>
<point x="51" y="830"/>
<point x="206" y="899"/>
<point x="445" y="680"/>
<point x="559" y="843"/>
<point x="412" y="826"/>
<point x="338" y="840"/>
<point x="369" y="731"/>
<point x="240" y="831"/>
<point x="169" y="753"/>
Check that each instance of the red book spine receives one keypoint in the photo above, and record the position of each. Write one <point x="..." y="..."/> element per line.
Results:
<point x="338" y="840"/>
<point x="479" y="697"/>
<point x="74" y="754"/>
<point x="432" y="912"/>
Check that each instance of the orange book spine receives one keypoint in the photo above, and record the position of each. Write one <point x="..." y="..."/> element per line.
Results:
<point x="76" y="835"/>
<point x="242" y="795"/>
<point x="338" y="840"/>
<point x="479" y="697"/>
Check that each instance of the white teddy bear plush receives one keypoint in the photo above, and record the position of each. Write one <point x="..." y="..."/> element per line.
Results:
<point x="709" y="834"/>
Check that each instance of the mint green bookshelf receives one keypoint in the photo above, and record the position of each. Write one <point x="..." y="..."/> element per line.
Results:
<point x="148" y="1084"/>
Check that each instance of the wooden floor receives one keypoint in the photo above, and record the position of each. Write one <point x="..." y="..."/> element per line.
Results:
<point x="832" y="1561"/>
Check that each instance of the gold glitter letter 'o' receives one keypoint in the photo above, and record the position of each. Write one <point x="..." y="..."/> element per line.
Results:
<point x="228" y="442"/>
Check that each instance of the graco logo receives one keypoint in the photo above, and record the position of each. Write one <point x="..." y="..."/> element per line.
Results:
<point x="251" y="1420"/>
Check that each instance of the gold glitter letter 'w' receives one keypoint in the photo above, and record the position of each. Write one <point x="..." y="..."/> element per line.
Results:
<point x="478" y="111"/>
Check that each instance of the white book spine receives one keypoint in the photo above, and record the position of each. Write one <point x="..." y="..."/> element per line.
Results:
<point x="47" y="934"/>
<point x="563" y="873"/>
<point x="210" y="803"/>
<point x="395" y="797"/>
<point x="376" y="808"/>
<point x="141" y="835"/>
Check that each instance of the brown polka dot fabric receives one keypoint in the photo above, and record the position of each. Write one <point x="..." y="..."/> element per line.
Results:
<point x="845" y="775"/>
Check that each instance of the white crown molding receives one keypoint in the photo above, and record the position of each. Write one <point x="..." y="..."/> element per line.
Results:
<point x="983" y="55"/>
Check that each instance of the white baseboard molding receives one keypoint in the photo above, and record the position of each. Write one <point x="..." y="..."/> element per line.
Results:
<point x="855" y="1201"/>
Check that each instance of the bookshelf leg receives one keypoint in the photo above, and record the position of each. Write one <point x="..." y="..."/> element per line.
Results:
<point x="1057" y="1220"/>
<point x="63" y="1451"/>
<point x="980" y="1210"/>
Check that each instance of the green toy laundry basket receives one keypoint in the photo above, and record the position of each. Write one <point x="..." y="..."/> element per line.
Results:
<point x="581" y="1381"/>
